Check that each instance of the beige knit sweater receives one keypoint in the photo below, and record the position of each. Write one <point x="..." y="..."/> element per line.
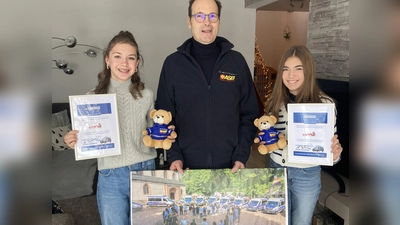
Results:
<point x="133" y="117"/>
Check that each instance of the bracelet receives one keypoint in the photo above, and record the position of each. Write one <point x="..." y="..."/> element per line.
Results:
<point x="337" y="160"/>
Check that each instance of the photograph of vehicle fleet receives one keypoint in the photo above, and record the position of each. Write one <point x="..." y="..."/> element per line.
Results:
<point x="249" y="196"/>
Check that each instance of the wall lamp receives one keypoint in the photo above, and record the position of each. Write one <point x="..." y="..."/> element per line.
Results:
<point x="71" y="42"/>
<point x="292" y="5"/>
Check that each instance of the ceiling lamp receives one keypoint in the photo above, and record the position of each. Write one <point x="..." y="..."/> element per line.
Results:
<point x="71" y="42"/>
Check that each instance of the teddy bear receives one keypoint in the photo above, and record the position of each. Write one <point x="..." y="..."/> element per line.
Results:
<point x="273" y="139"/>
<point x="156" y="136"/>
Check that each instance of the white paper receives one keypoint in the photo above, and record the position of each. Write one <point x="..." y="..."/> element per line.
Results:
<point x="96" y="119"/>
<point x="310" y="131"/>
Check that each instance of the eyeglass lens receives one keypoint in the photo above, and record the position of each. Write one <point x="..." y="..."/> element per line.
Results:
<point x="200" y="17"/>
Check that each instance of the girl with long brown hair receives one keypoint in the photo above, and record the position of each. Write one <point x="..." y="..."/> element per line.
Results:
<point x="296" y="83"/>
<point x="120" y="75"/>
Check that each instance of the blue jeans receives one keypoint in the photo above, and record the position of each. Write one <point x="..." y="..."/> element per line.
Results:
<point x="113" y="193"/>
<point x="387" y="184"/>
<point x="304" y="186"/>
<point x="5" y="197"/>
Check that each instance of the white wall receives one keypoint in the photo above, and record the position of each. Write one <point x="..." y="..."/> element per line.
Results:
<point x="269" y="32"/>
<point x="158" y="26"/>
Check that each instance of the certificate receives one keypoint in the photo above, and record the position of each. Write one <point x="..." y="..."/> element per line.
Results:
<point x="310" y="131"/>
<point x="96" y="119"/>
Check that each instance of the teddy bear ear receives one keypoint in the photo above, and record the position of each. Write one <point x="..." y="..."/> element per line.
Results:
<point x="256" y="122"/>
<point x="170" y="116"/>
<point x="152" y="112"/>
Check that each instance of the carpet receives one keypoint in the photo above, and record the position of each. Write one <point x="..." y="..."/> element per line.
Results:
<point x="83" y="210"/>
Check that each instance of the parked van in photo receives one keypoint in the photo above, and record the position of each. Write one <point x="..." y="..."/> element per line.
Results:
<point x="238" y="202"/>
<point x="159" y="200"/>
<point x="188" y="200"/>
<point x="241" y="202"/>
<point x="201" y="200"/>
<point x="224" y="200"/>
<point x="256" y="204"/>
<point x="136" y="206"/>
<point x="213" y="200"/>
<point x="274" y="206"/>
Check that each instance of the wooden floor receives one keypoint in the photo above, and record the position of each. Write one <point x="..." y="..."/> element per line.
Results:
<point x="256" y="160"/>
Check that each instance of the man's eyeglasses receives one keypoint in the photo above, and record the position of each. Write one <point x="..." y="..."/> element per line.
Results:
<point x="200" y="17"/>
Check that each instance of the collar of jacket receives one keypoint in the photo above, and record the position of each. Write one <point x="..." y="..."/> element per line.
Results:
<point x="223" y="43"/>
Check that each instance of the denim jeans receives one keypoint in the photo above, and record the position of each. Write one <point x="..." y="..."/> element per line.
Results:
<point x="4" y="197"/>
<point x="304" y="186"/>
<point x="113" y="193"/>
<point x="387" y="185"/>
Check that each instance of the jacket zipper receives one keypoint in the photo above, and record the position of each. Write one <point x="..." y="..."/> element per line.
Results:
<point x="209" y="150"/>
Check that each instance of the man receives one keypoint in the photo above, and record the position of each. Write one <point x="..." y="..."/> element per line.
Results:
<point x="209" y="91"/>
<point x="204" y="221"/>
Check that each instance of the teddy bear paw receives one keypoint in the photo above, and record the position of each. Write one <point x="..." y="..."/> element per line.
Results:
<point x="148" y="141"/>
<point x="281" y="143"/>
<point x="263" y="150"/>
<point x="166" y="144"/>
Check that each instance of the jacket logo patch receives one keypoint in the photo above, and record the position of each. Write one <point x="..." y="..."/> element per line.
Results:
<point x="227" y="78"/>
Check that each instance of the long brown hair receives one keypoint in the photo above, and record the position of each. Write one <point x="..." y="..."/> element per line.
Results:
<point x="124" y="37"/>
<point x="309" y="91"/>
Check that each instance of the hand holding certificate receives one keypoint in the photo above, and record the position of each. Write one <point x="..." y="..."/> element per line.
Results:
<point x="310" y="132"/>
<point x="96" y="119"/>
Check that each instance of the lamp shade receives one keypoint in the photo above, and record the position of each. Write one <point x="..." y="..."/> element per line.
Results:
<point x="91" y="53"/>
<point x="68" y="71"/>
<point x="70" y="41"/>
<point x="61" y="64"/>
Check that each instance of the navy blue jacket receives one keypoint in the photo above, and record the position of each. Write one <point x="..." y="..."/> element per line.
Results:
<point x="214" y="122"/>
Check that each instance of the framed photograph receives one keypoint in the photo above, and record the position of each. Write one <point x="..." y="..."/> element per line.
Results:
<point x="310" y="131"/>
<point x="248" y="197"/>
<point x="96" y="119"/>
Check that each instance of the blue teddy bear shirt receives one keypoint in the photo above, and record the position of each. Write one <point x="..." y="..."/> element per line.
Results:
<point x="270" y="136"/>
<point x="159" y="131"/>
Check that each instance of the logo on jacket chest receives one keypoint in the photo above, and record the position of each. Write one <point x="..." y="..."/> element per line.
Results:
<point x="227" y="77"/>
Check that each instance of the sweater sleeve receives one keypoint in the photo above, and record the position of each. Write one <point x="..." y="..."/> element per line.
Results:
<point x="165" y="100"/>
<point x="149" y="120"/>
<point x="249" y="111"/>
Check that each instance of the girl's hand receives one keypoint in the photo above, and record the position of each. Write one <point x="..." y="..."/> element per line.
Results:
<point x="336" y="147"/>
<point x="71" y="138"/>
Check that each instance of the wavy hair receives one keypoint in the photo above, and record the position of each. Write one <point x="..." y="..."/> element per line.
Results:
<point x="123" y="37"/>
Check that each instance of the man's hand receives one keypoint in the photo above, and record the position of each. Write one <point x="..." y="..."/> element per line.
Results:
<point x="238" y="165"/>
<point x="177" y="165"/>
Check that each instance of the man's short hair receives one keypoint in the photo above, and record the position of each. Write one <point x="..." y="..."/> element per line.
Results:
<point x="216" y="1"/>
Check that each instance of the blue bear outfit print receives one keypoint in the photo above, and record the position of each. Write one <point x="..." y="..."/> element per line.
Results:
<point x="159" y="131"/>
<point x="270" y="136"/>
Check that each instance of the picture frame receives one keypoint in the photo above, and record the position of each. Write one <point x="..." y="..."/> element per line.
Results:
<point x="248" y="196"/>
<point x="310" y="132"/>
<point x="96" y="119"/>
